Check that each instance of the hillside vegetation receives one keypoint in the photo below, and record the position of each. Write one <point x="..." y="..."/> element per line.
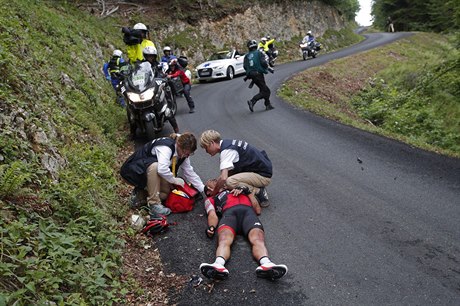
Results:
<point x="60" y="215"/>
<point x="407" y="90"/>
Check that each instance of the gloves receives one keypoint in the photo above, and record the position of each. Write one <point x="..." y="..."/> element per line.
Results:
<point x="178" y="181"/>
<point x="210" y="231"/>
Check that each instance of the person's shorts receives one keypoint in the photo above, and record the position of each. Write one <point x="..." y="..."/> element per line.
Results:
<point x="240" y="219"/>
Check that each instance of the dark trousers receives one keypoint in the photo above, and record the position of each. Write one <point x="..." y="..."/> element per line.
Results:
<point x="264" y="91"/>
<point x="187" y="88"/>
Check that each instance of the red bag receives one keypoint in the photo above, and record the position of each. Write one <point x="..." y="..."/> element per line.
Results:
<point x="181" y="199"/>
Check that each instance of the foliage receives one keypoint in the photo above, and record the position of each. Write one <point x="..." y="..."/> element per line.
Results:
<point x="418" y="15"/>
<point x="411" y="94"/>
<point x="58" y="142"/>
<point x="420" y="104"/>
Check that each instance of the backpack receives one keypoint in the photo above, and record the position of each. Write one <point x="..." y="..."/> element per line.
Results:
<point x="181" y="199"/>
<point x="131" y="37"/>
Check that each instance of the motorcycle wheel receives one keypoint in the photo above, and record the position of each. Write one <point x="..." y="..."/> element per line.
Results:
<point x="313" y="55"/>
<point x="150" y="130"/>
<point x="304" y="56"/>
<point x="132" y="125"/>
<point x="172" y="103"/>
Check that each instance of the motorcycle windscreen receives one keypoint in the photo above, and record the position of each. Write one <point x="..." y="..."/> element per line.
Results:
<point x="141" y="78"/>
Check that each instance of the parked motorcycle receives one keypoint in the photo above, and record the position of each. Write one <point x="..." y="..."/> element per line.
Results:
<point x="150" y="99"/>
<point x="310" y="49"/>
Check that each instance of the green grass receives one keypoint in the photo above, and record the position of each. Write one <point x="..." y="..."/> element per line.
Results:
<point x="407" y="90"/>
<point x="59" y="227"/>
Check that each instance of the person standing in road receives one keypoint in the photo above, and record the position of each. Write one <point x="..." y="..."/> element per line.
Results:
<point x="237" y="217"/>
<point x="176" y="71"/>
<point x="256" y="66"/>
<point x="241" y="165"/>
<point x="154" y="167"/>
<point x="390" y="26"/>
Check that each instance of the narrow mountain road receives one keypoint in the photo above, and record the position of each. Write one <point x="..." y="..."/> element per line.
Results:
<point x="358" y="219"/>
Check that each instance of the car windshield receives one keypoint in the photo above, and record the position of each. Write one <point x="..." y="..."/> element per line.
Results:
<point x="220" y="55"/>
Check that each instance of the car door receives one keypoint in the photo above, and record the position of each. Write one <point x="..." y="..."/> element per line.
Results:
<point x="239" y="61"/>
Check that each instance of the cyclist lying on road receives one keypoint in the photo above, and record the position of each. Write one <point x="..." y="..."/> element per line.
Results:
<point x="237" y="217"/>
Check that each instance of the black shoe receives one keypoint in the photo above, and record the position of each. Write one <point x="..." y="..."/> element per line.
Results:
<point x="269" y="107"/>
<point x="251" y="105"/>
<point x="262" y="197"/>
<point x="214" y="271"/>
<point x="192" y="110"/>
<point x="271" y="271"/>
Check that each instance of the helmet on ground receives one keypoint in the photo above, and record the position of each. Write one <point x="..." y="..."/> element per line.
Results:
<point x="263" y="39"/>
<point x="166" y="49"/>
<point x="149" y="50"/>
<point x="140" y="26"/>
<point x="252" y="44"/>
<point x="117" y="53"/>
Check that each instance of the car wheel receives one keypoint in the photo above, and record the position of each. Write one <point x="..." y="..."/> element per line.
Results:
<point x="230" y="73"/>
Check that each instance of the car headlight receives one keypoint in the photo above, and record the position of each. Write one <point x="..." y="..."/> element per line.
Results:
<point x="145" y="96"/>
<point x="219" y="67"/>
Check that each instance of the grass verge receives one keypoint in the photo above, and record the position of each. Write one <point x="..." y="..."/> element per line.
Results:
<point x="407" y="90"/>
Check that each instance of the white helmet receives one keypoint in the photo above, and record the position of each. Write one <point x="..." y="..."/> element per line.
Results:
<point x="140" y="26"/>
<point x="263" y="39"/>
<point x="117" y="53"/>
<point x="149" y="50"/>
<point x="167" y="48"/>
<point x="309" y="33"/>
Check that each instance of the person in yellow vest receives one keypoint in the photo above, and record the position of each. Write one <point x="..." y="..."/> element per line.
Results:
<point x="134" y="52"/>
<point x="265" y="42"/>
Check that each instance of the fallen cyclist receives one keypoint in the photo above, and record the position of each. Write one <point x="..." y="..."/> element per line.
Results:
<point x="237" y="216"/>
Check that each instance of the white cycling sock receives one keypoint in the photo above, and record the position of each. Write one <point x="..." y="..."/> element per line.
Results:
<point x="264" y="260"/>
<point x="220" y="260"/>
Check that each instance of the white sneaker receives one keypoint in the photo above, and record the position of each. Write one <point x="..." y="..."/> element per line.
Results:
<point x="271" y="271"/>
<point x="159" y="209"/>
<point x="214" y="271"/>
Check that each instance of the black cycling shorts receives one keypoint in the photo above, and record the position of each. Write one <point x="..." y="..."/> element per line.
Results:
<point x="241" y="219"/>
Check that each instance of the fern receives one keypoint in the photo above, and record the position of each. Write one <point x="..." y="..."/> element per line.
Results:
<point x="13" y="177"/>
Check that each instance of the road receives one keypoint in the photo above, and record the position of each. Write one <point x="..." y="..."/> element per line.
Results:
<point x="358" y="219"/>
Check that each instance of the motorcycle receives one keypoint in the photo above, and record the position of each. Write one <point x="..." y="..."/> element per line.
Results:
<point x="309" y="49"/>
<point x="150" y="99"/>
<point x="272" y="54"/>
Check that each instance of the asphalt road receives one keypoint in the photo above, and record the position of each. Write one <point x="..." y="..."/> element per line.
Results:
<point x="358" y="219"/>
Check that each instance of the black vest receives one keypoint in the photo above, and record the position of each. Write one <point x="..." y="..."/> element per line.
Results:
<point x="114" y="65"/>
<point x="251" y="159"/>
<point x="135" y="167"/>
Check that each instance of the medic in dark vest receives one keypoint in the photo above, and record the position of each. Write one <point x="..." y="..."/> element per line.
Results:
<point x="154" y="167"/>
<point x="240" y="165"/>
